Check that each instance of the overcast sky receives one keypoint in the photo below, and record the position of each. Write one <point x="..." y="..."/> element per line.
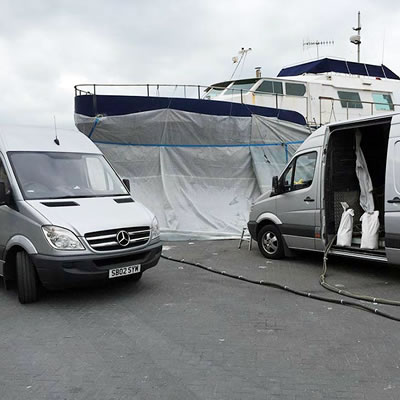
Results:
<point x="48" y="46"/>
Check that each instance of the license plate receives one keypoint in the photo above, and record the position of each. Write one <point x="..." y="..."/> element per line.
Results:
<point x="123" y="271"/>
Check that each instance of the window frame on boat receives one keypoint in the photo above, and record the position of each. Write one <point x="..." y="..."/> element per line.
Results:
<point x="293" y="87"/>
<point x="349" y="102"/>
<point x="274" y="84"/>
<point x="242" y="86"/>
<point x="385" y="103"/>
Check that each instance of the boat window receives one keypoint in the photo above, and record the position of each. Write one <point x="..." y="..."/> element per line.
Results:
<point x="243" y="85"/>
<point x="217" y="90"/>
<point x="350" y="99"/>
<point x="383" y="101"/>
<point x="295" y="89"/>
<point x="274" y="87"/>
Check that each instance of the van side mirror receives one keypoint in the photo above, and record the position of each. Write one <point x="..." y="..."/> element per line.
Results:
<point x="127" y="184"/>
<point x="3" y="197"/>
<point x="275" y="184"/>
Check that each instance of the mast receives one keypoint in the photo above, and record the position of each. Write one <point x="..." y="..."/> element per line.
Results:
<point x="356" y="39"/>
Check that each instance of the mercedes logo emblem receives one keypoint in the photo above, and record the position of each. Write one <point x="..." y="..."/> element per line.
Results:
<point x="123" y="238"/>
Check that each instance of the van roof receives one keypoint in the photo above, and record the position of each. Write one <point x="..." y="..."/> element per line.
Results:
<point x="362" y="119"/>
<point x="317" y="137"/>
<point x="35" y="138"/>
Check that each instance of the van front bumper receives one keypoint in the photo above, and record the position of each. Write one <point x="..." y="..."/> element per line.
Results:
<point x="252" y="227"/>
<point x="72" y="271"/>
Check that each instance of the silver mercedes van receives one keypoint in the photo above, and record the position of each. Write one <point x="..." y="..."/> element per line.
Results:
<point x="66" y="218"/>
<point x="303" y="208"/>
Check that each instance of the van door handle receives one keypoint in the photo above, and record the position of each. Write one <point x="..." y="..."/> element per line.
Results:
<point x="394" y="200"/>
<point x="308" y="198"/>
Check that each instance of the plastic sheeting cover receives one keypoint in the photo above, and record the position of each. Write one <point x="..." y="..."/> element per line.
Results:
<point x="366" y="187"/>
<point x="198" y="173"/>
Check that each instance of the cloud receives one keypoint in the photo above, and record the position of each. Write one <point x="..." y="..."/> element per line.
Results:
<point x="48" y="46"/>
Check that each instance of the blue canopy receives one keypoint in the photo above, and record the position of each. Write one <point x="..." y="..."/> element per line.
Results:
<point x="345" y="67"/>
<point x="92" y="105"/>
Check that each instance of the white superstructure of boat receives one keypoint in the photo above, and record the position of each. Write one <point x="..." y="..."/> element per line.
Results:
<point x="323" y="91"/>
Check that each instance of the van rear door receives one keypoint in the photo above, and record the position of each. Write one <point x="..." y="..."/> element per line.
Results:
<point x="392" y="195"/>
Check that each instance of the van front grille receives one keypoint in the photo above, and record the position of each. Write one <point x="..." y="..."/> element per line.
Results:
<point x="118" y="239"/>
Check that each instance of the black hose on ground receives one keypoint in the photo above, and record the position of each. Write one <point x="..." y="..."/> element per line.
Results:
<point x="346" y="293"/>
<point x="288" y="289"/>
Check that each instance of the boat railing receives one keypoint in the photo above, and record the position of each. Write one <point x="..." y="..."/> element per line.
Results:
<point x="167" y="90"/>
<point x="370" y="106"/>
<point x="176" y="90"/>
<point x="144" y="89"/>
<point x="200" y="92"/>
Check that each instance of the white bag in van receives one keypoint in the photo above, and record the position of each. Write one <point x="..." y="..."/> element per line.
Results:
<point x="345" y="231"/>
<point x="370" y="230"/>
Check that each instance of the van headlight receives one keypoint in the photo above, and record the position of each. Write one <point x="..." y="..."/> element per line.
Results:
<point x="155" y="229"/>
<point x="62" y="239"/>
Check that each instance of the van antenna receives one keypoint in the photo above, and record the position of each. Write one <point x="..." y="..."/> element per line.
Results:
<point x="56" y="141"/>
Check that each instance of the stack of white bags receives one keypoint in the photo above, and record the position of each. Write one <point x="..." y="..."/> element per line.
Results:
<point x="369" y="229"/>
<point x="370" y="218"/>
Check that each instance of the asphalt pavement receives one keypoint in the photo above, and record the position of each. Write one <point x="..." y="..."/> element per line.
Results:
<point x="184" y="333"/>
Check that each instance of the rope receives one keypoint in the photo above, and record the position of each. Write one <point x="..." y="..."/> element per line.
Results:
<point x="96" y="121"/>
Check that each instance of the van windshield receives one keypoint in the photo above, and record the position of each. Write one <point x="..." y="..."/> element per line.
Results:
<point x="56" y="175"/>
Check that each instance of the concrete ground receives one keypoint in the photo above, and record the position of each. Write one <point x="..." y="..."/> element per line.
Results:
<point x="184" y="333"/>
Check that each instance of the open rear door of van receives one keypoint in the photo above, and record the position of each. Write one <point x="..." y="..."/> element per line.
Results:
<point x="392" y="195"/>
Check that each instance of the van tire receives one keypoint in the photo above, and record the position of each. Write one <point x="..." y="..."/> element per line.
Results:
<point x="28" y="288"/>
<point x="270" y="242"/>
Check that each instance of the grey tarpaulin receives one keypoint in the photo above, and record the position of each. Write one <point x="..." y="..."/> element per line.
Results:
<point x="198" y="173"/>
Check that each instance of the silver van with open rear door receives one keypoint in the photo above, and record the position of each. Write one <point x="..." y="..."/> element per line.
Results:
<point x="303" y="209"/>
<point x="66" y="218"/>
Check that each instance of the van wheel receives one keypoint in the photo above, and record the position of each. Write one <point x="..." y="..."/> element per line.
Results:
<point x="26" y="279"/>
<point x="270" y="242"/>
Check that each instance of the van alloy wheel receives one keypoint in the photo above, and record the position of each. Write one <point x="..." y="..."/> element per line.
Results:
<point x="270" y="242"/>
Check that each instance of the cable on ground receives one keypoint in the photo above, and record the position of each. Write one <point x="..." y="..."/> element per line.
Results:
<point x="342" y="302"/>
<point x="346" y="293"/>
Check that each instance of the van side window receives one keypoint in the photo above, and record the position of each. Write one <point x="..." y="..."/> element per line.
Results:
<point x="396" y="162"/>
<point x="287" y="178"/>
<point x="304" y="170"/>
<point x="4" y="177"/>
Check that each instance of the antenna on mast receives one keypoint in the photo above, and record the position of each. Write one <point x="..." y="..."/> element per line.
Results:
<point x="317" y="43"/>
<point x="356" y="39"/>
<point x="242" y="53"/>
<point x="56" y="141"/>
